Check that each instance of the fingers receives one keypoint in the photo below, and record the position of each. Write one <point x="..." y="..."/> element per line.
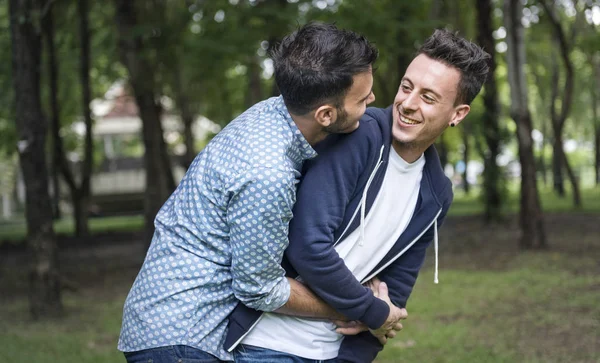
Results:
<point x="397" y="327"/>
<point x="351" y="330"/>
<point x="345" y="324"/>
<point x="383" y="292"/>
<point x="382" y="339"/>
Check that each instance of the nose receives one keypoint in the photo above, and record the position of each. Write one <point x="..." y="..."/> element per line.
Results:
<point x="410" y="103"/>
<point x="371" y="98"/>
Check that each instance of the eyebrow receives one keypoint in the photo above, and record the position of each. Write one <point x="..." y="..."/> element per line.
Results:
<point x="424" y="89"/>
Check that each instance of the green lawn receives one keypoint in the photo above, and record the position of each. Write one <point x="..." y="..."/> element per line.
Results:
<point x="15" y="231"/>
<point x="493" y="304"/>
<point x="463" y="205"/>
<point x="532" y="311"/>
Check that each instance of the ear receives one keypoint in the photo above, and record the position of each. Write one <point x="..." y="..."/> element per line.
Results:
<point x="460" y="112"/>
<point x="325" y="115"/>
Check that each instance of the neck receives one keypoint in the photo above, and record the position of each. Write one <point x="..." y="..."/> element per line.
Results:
<point x="310" y="129"/>
<point x="408" y="152"/>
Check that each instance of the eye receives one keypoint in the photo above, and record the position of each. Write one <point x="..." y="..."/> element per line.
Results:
<point x="405" y="87"/>
<point x="428" y="99"/>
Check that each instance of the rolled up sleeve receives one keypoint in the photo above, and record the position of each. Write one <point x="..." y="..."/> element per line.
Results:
<point x="258" y="216"/>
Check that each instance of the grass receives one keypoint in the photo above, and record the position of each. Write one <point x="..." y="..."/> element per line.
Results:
<point x="524" y="314"/>
<point x="463" y="205"/>
<point x="15" y="232"/>
<point x="471" y="204"/>
<point x="493" y="304"/>
<point x="532" y="311"/>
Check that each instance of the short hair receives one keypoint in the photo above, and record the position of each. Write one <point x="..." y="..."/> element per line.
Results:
<point x="316" y="64"/>
<point x="470" y="59"/>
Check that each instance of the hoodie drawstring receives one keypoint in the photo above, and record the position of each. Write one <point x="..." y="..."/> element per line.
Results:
<point x="435" y="247"/>
<point x="363" y="201"/>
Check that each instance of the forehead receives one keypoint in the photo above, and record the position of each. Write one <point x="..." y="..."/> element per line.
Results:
<point x="425" y="72"/>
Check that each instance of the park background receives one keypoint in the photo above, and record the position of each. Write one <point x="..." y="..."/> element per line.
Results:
<point x="105" y="103"/>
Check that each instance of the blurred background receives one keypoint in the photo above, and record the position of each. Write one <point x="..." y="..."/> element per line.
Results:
<point x="104" y="105"/>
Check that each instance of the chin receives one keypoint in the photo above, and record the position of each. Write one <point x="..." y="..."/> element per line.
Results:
<point x="401" y="135"/>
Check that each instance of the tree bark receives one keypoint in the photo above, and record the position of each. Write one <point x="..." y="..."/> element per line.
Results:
<point x="594" y="93"/>
<point x="56" y="141"/>
<point x="559" y="117"/>
<point x="557" y="166"/>
<point x="466" y="150"/>
<point x="133" y="51"/>
<point x="44" y="282"/>
<point x="442" y="149"/>
<point x="187" y="119"/>
<point x="490" y="124"/>
<point x="82" y="203"/>
<point x="530" y="218"/>
<point x="254" y="92"/>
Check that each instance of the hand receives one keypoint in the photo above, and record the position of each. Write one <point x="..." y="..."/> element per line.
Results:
<point x="373" y="284"/>
<point x="350" y="327"/>
<point x="392" y="323"/>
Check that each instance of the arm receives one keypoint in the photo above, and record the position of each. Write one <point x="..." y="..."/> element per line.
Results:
<point x="400" y="277"/>
<point x="327" y="187"/>
<point x="303" y="302"/>
<point x="258" y="279"/>
<point x="258" y="214"/>
<point x="402" y="274"/>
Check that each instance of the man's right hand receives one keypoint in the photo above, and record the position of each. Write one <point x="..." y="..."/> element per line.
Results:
<point x="389" y="327"/>
<point x="392" y="323"/>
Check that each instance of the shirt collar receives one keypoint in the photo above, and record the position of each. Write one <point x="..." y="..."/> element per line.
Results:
<point x="305" y="151"/>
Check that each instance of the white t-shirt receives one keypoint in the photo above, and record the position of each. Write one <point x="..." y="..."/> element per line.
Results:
<point x="387" y="219"/>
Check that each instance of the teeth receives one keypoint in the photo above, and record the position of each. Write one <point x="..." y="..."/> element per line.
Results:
<point x="409" y="121"/>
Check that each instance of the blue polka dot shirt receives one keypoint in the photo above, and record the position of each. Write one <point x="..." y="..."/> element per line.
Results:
<point x="220" y="236"/>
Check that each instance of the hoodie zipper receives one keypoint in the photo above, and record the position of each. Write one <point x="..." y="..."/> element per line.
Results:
<point x="404" y="250"/>
<point x="371" y="177"/>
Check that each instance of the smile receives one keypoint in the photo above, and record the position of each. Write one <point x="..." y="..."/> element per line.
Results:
<point x="409" y="121"/>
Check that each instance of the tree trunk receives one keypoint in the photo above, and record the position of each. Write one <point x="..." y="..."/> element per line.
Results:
<point x="542" y="157"/>
<point x="254" y="92"/>
<point x="559" y="117"/>
<point x="44" y="282"/>
<point x="159" y="176"/>
<point x="55" y="140"/>
<point x="442" y="149"/>
<point x="596" y="133"/>
<point x="83" y="194"/>
<point x="491" y="127"/>
<point x="465" y="137"/>
<point x="596" y="68"/>
<point x="187" y="119"/>
<point x="531" y="218"/>
<point x="557" y="166"/>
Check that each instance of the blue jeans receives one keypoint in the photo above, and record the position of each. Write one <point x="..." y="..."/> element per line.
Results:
<point x="251" y="354"/>
<point x="171" y="354"/>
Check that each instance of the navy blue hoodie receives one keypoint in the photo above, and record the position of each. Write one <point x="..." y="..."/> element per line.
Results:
<point x="337" y="190"/>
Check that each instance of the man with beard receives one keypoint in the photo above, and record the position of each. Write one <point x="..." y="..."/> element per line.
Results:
<point x="367" y="209"/>
<point x="220" y="236"/>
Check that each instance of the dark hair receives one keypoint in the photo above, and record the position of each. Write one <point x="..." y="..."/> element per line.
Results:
<point x="469" y="58"/>
<point x="316" y="63"/>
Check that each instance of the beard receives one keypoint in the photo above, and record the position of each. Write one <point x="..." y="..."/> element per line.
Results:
<point x="342" y="124"/>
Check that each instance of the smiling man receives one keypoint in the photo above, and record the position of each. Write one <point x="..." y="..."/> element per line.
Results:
<point x="221" y="235"/>
<point x="368" y="207"/>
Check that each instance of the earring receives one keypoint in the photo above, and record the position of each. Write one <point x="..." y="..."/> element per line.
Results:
<point x="452" y="124"/>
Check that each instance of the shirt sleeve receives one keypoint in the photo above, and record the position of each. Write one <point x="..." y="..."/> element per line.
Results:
<point x="258" y="215"/>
